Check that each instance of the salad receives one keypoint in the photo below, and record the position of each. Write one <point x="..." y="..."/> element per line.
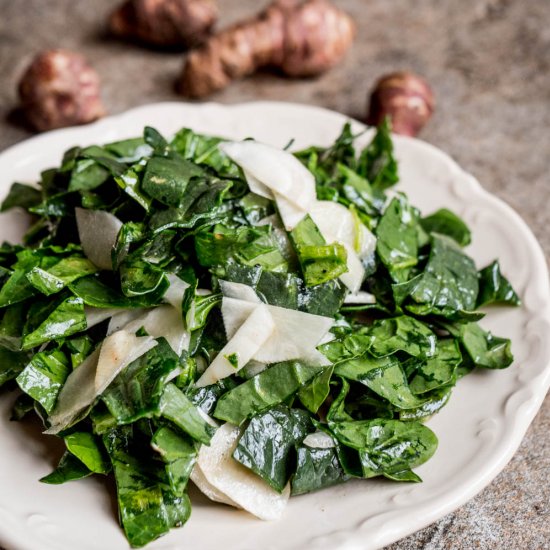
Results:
<point x="260" y="322"/>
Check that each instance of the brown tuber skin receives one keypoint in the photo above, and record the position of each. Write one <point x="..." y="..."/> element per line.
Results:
<point x="301" y="38"/>
<point x="165" y="23"/>
<point x="60" y="89"/>
<point x="406" y="98"/>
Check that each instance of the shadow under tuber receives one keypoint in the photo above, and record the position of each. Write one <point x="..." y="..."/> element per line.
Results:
<point x="58" y="89"/>
<point x="405" y="98"/>
<point x="165" y="23"/>
<point x="300" y="38"/>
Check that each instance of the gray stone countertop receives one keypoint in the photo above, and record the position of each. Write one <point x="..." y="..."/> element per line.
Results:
<point x="489" y="64"/>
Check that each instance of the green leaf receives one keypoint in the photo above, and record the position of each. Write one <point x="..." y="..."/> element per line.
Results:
<point x="138" y="278"/>
<point x="85" y="447"/>
<point x="320" y="262"/>
<point x="66" y="319"/>
<point x="148" y="509"/>
<point x="22" y="196"/>
<point x="377" y="162"/>
<point x="316" y="469"/>
<point x="485" y="350"/>
<point x="136" y="392"/>
<point x="176" y="407"/>
<point x="314" y="394"/>
<point x="383" y="376"/>
<point x="266" y="446"/>
<point x="95" y="293"/>
<point x="447" y="223"/>
<point x="449" y="282"/>
<point x="263" y="391"/>
<point x="439" y="370"/>
<point x="397" y="239"/>
<point x="387" y="446"/>
<point x="44" y="377"/>
<point x="494" y="288"/>
<point x="203" y="150"/>
<point x="436" y="400"/>
<point x="68" y="469"/>
<point x="403" y="333"/>
<point x="166" y="179"/>
<point x="12" y="364"/>
<point x="246" y="245"/>
<point x="179" y="453"/>
<point x="199" y="308"/>
<point x="56" y="278"/>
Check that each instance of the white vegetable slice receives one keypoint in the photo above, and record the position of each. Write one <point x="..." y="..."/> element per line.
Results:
<point x="117" y="352"/>
<point x="291" y="214"/>
<point x="165" y="321"/>
<point x="92" y="377"/>
<point x="360" y="297"/>
<point x="239" y="291"/>
<point x="96" y="315"/>
<point x="279" y="170"/>
<point x="205" y="487"/>
<point x="122" y="318"/>
<point x="235" y="313"/>
<point x="176" y="290"/>
<point x="98" y="231"/>
<point x="77" y="394"/>
<point x="355" y="273"/>
<point x="319" y="440"/>
<point x="256" y="186"/>
<point x="295" y="336"/>
<point x="246" y="342"/>
<point x="234" y="481"/>
<point x="335" y="222"/>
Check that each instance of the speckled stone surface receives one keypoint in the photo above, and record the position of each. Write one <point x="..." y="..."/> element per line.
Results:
<point x="489" y="64"/>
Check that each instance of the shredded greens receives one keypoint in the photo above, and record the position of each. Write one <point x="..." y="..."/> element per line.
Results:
<point x="263" y="325"/>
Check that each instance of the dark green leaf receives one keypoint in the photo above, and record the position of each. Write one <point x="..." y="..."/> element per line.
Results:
<point x="315" y="393"/>
<point x="44" y="377"/>
<point x="397" y="243"/>
<point x="449" y="282"/>
<point x="439" y="370"/>
<point x="494" y="288"/>
<point x="66" y="319"/>
<point x="447" y="223"/>
<point x="263" y="391"/>
<point x="176" y="407"/>
<point x="179" y="453"/>
<point x="387" y="446"/>
<point x="68" y="469"/>
<point x="316" y="469"/>
<point x="267" y="443"/>
<point x="12" y="364"/>
<point x="383" y="376"/>
<point x="136" y="392"/>
<point x="56" y="278"/>
<point x="22" y="196"/>
<point x="485" y="350"/>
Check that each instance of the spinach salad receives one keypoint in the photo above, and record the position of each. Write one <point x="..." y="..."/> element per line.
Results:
<point x="263" y="323"/>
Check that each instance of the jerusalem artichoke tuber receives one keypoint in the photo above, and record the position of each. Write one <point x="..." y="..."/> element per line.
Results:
<point x="406" y="98"/>
<point x="165" y="23"/>
<point x="301" y="38"/>
<point x="59" y="88"/>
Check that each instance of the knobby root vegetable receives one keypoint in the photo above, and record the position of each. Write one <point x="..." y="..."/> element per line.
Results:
<point x="406" y="98"/>
<point x="301" y="38"/>
<point x="59" y="88"/>
<point x="165" y="23"/>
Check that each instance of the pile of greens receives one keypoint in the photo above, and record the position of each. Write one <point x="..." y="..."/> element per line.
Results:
<point x="188" y="220"/>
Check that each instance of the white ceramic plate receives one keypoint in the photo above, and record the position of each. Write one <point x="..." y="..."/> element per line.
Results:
<point x="478" y="431"/>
